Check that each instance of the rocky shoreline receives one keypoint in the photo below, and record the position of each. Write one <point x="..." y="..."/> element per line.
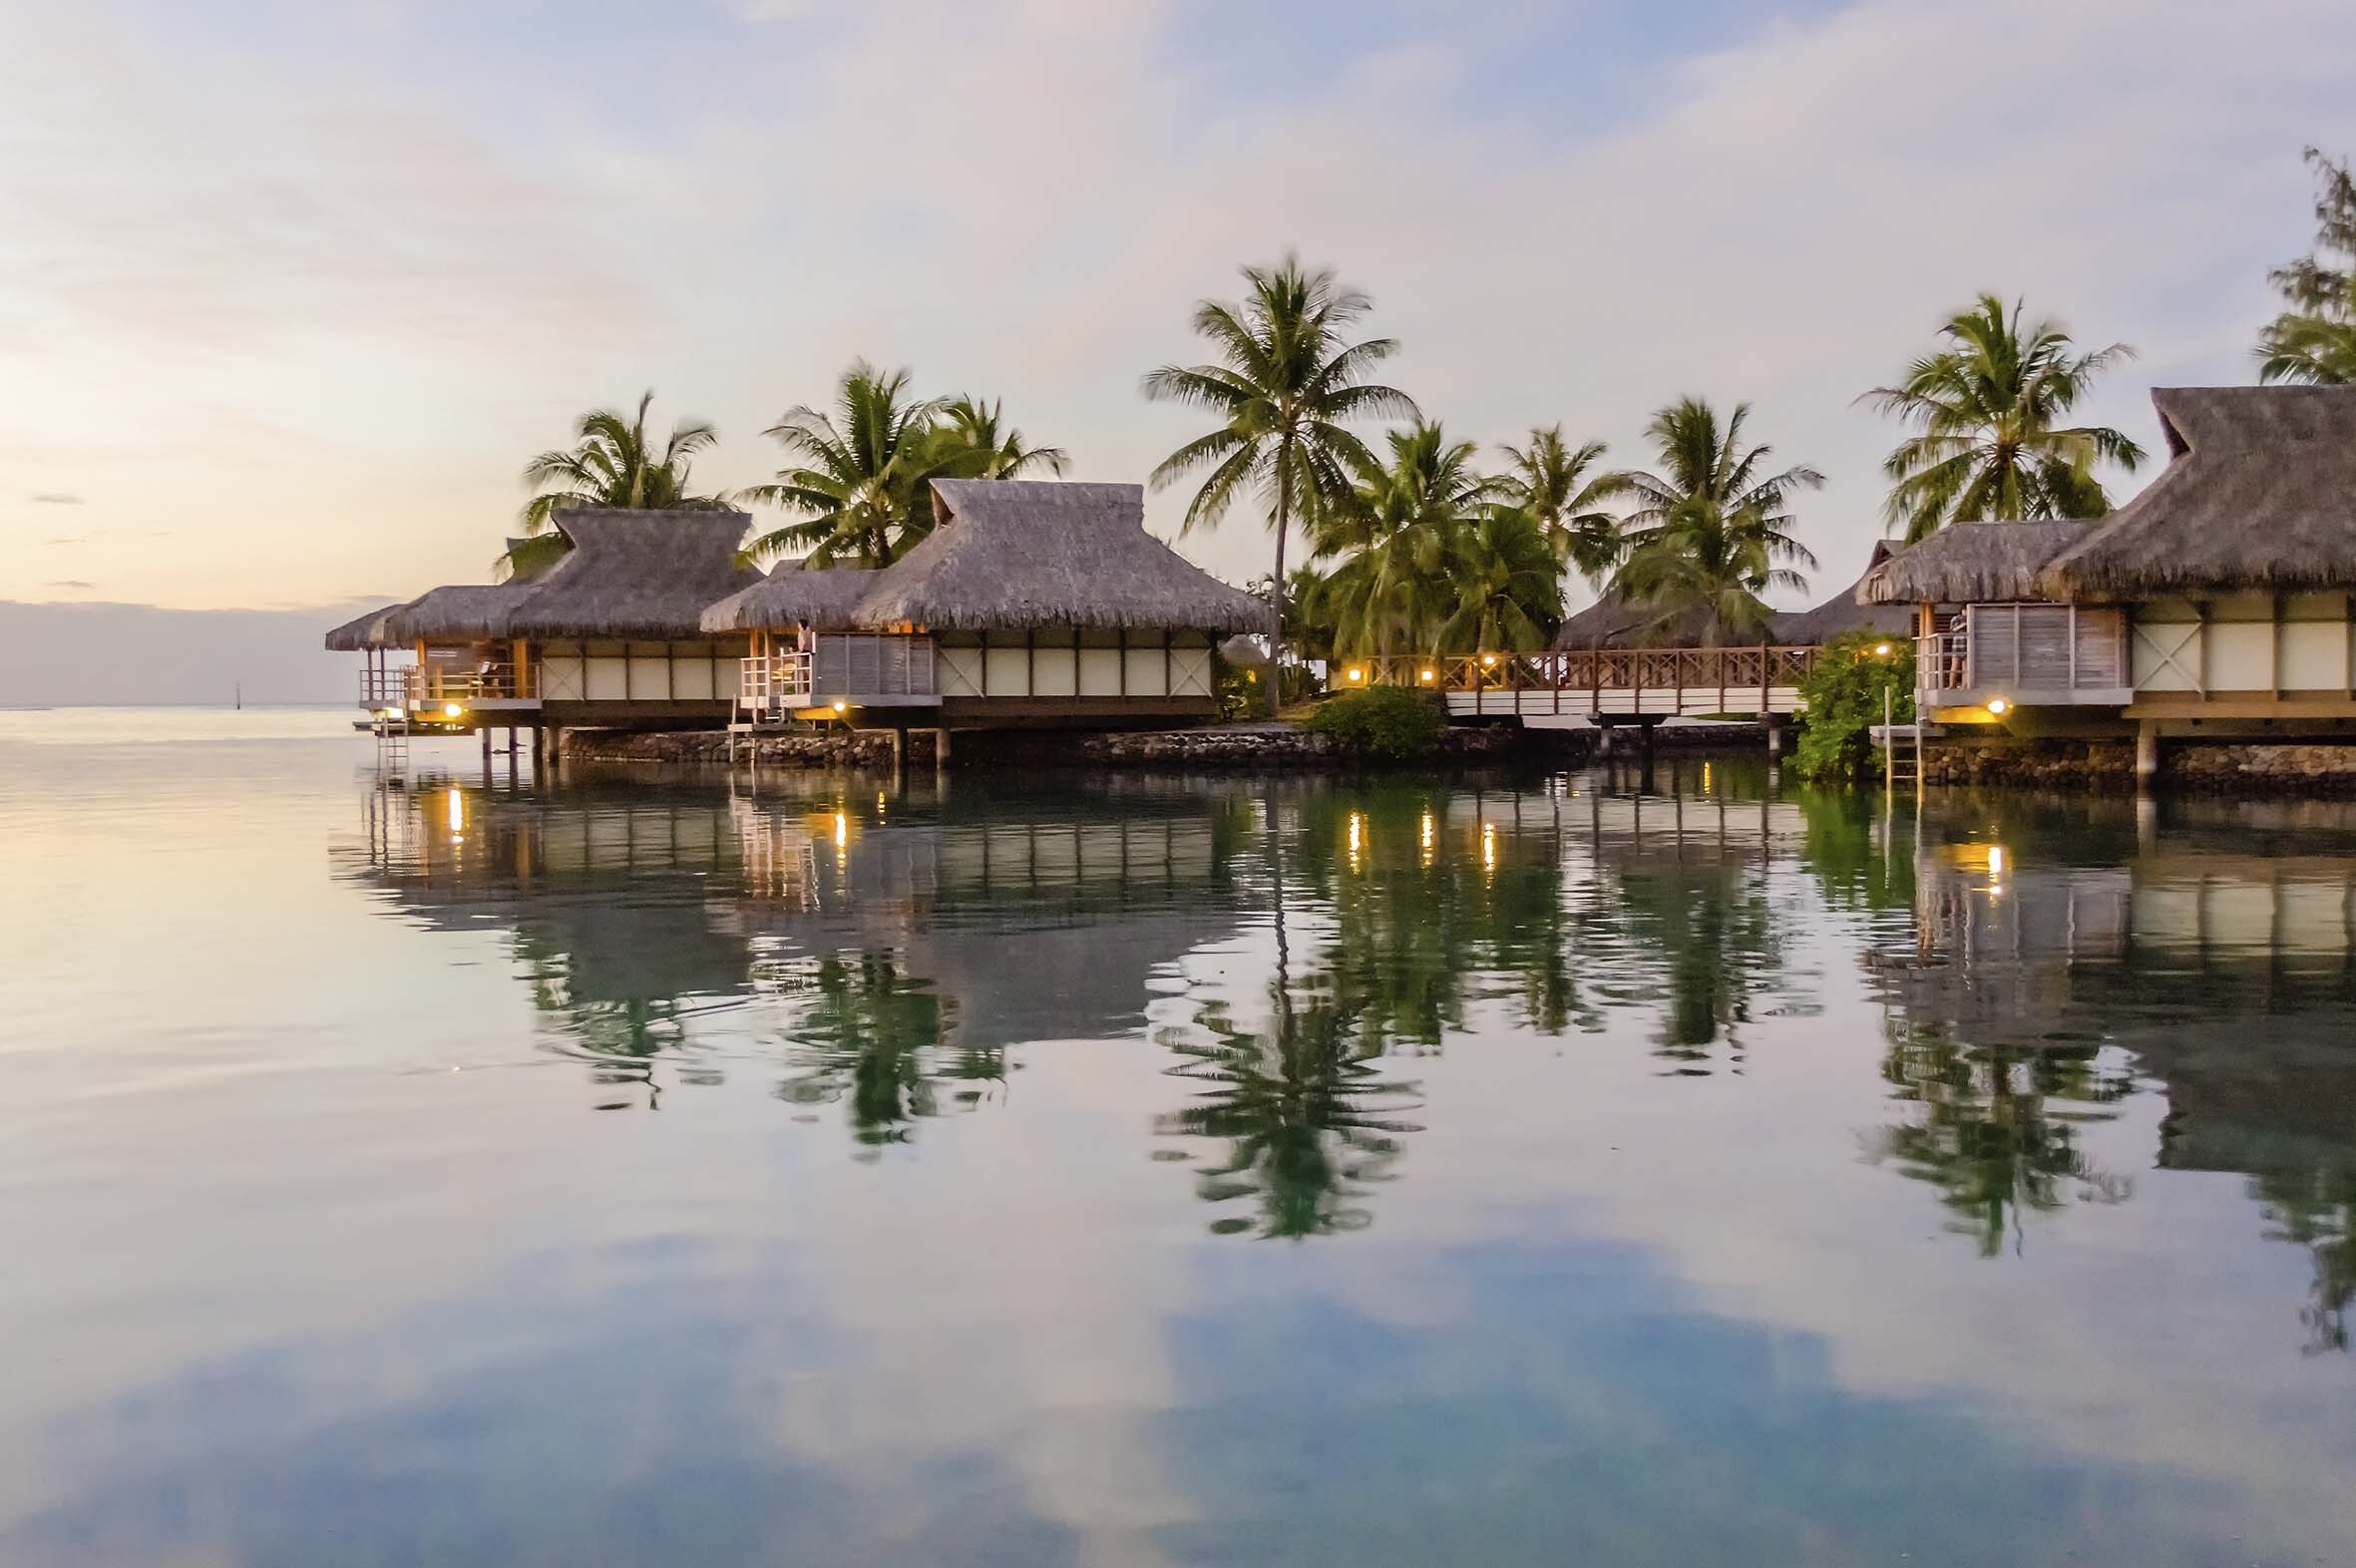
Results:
<point x="2107" y="767"/>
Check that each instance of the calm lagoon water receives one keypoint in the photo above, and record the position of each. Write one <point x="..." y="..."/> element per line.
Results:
<point x="1158" y="1171"/>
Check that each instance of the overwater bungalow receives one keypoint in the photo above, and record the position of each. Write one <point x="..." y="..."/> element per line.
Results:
<point x="2217" y="605"/>
<point x="606" y="636"/>
<point x="1029" y="604"/>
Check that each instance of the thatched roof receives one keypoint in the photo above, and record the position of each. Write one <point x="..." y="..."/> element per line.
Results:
<point x="360" y="632"/>
<point x="462" y="609"/>
<point x="1845" y="612"/>
<point x="793" y="595"/>
<point x="634" y="574"/>
<point x="2260" y="494"/>
<point x="1971" y="562"/>
<point x="1021" y="553"/>
<point x="1616" y="621"/>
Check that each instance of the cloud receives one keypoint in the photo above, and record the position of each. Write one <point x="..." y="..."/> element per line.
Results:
<point x="74" y="584"/>
<point x="55" y="497"/>
<point x="67" y="539"/>
<point x="371" y="299"/>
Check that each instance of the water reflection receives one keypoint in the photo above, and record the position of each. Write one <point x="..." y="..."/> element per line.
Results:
<point x="2039" y="966"/>
<point x="2216" y="967"/>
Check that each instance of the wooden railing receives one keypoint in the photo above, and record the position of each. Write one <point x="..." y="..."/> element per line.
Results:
<point x="772" y="683"/>
<point x="432" y="685"/>
<point x="1742" y="676"/>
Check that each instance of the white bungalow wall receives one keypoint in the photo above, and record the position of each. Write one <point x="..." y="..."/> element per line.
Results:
<point x="1056" y="662"/>
<point x="698" y="672"/>
<point x="2246" y="643"/>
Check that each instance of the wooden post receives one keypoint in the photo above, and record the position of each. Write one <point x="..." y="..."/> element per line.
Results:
<point x="2274" y="647"/>
<point x="2147" y="754"/>
<point x="2201" y="609"/>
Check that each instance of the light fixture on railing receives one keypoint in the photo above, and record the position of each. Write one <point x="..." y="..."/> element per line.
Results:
<point x="1998" y="707"/>
<point x="1356" y="674"/>
<point x="452" y="710"/>
<point x="841" y="707"/>
<point x="1427" y="674"/>
<point x="1489" y="661"/>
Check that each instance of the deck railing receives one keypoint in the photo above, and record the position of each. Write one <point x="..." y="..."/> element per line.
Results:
<point x="414" y="687"/>
<point x="773" y="682"/>
<point x="1742" y="676"/>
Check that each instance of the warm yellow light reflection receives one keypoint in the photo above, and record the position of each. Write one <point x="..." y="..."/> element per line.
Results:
<point x="1996" y="862"/>
<point x="1488" y="846"/>
<point x="842" y="830"/>
<point x="457" y="810"/>
<point x="1357" y="837"/>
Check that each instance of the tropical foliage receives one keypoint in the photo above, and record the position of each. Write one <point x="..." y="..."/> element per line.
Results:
<point x="1991" y="408"/>
<point x="2314" y="339"/>
<point x="1391" y="722"/>
<point x="1710" y="530"/>
<point x="611" y="463"/>
<point x="1844" y="692"/>
<point x="858" y="477"/>
<point x="1558" y="487"/>
<point x="1284" y="387"/>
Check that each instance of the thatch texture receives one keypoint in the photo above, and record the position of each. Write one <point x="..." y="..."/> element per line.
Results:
<point x="1613" y="621"/>
<point x="1971" y="562"/>
<point x="2260" y="494"/>
<point x="794" y="594"/>
<point x="1019" y="552"/>
<point x="1845" y="612"/>
<point x="634" y="574"/>
<point x="462" y="610"/>
<point x="361" y="633"/>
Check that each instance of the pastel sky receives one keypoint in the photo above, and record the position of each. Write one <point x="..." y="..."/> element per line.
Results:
<point x="289" y="291"/>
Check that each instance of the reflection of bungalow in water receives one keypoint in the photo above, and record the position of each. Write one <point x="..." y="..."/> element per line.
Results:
<point x="2215" y="604"/>
<point x="1030" y="603"/>
<point x="1027" y="604"/>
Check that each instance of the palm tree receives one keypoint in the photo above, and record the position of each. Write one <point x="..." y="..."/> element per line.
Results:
<point x="993" y="451"/>
<point x="859" y="475"/>
<point x="1395" y="536"/>
<point x="1508" y="581"/>
<point x="1549" y="480"/>
<point x="1992" y="446"/>
<point x="1282" y="390"/>
<point x="2314" y="341"/>
<point x="1711" y="533"/>
<point x="610" y="464"/>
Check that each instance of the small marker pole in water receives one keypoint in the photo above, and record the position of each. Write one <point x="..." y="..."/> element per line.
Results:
<point x="1889" y="747"/>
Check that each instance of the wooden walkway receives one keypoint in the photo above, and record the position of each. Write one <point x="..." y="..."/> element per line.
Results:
<point x="1581" y="688"/>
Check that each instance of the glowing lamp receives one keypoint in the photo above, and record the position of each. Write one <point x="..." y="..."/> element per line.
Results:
<point x="1999" y="707"/>
<point x="841" y="707"/>
<point x="452" y="710"/>
<point x="1357" y="674"/>
<point x="1488" y="660"/>
<point x="1427" y="674"/>
<point x="1882" y="649"/>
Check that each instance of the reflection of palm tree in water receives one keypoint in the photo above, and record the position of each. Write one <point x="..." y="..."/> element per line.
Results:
<point x="1706" y="932"/>
<point x="1997" y="1131"/>
<point x="2316" y="1207"/>
<point x="872" y="1039"/>
<point x="1302" y="1110"/>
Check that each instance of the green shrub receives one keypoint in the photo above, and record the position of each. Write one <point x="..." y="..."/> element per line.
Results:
<point x="1843" y="694"/>
<point x="1382" y="721"/>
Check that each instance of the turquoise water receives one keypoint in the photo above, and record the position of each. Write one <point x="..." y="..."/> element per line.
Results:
<point x="1158" y="1171"/>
